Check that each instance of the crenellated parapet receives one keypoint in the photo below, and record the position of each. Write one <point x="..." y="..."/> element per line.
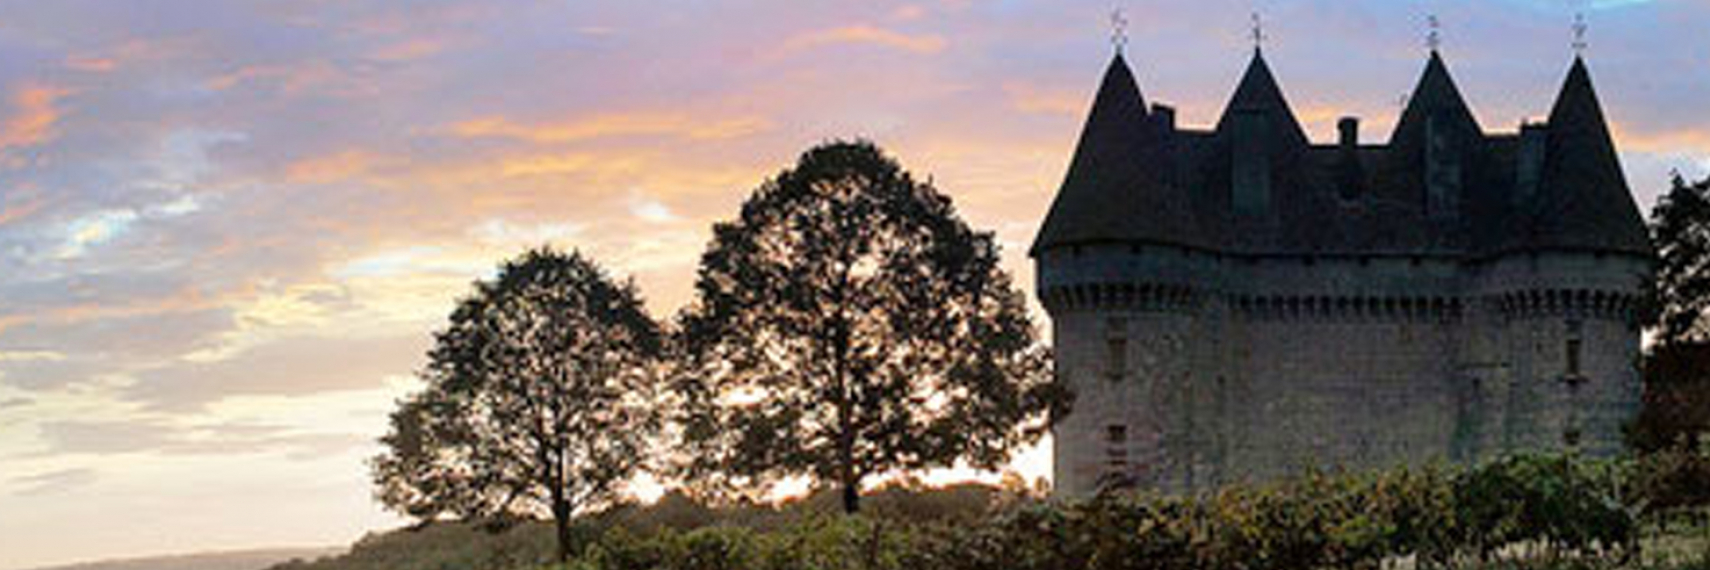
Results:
<point x="1570" y="303"/>
<point x="1137" y="297"/>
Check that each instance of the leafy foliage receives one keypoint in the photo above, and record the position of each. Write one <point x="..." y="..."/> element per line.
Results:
<point x="538" y="399"/>
<point x="848" y="323"/>
<point x="1522" y="512"/>
<point x="1676" y="410"/>
<point x="1680" y="230"/>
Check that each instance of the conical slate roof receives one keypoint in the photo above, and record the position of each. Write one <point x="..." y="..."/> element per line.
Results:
<point x="1116" y="189"/>
<point x="1435" y="95"/>
<point x="1259" y="93"/>
<point x="1584" y="200"/>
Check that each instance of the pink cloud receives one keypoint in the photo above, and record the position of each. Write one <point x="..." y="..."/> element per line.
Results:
<point x="861" y="34"/>
<point x="35" y="111"/>
<point x="609" y="125"/>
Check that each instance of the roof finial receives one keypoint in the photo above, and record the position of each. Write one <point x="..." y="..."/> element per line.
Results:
<point x="1258" y="32"/>
<point x="1118" y="30"/>
<point x="1579" y="28"/>
<point x="1434" y="38"/>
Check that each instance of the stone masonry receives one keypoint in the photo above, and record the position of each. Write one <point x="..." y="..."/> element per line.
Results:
<point x="1240" y="303"/>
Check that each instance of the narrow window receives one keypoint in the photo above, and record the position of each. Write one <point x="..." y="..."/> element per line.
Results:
<point x="1116" y="345"/>
<point x="1573" y="356"/>
<point x="1116" y="448"/>
<point x="1572" y="350"/>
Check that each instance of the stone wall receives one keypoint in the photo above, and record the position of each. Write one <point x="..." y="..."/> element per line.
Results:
<point x="1193" y="369"/>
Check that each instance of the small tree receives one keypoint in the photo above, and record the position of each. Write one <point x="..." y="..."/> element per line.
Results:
<point x="538" y="399"/>
<point x="848" y="324"/>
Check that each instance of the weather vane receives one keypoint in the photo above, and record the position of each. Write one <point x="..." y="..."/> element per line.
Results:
<point x="1579" y="28"/>
<point x="1258" y="31"/>
<point x="1434" y="39"/>
<point x="1118" y="30"/>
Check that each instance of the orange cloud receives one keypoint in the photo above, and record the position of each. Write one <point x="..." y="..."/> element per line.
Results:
<point x="611" y="125"/>
<point x="1675" y="141"/>
<point x="344" y="165"/>
<point x="35" y="111"/>
<point x="869" y="35"/>
<point x="409" y="50"/>
<point x="91" y="63"/>
<point x="1030" y="99"/>
<point x="294" y="78"/>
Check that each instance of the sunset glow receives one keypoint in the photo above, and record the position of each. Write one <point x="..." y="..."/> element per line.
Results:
<point x="229" y="229"/>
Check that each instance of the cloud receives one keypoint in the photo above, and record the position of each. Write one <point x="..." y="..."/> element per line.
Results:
<point x="649" y="209"/>
<point x="1032" y="99"/>
<point x="293" y="366"/>
<point x="53" y="482"/>
<point x="338" y="167"/>
<point x="867" y="35"/>
<point x="12" y="211"/>
<point x="35" y="112"/>
<point x="409" y="50"/>
<point x="611" y="125"/>
<point x="94" y="229"/>
<point x="30" y="356"/>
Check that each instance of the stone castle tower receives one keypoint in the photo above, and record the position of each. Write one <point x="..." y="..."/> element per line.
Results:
<point x="1241" y="302"/>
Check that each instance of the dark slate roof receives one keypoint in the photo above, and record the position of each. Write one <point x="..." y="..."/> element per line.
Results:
<point x="1119" y="188"/>
<point x="1132" y="180"/>
<point x="1434" y="95"/>
<point x="1584" y="202"/>
<point x="1258" y="93"/>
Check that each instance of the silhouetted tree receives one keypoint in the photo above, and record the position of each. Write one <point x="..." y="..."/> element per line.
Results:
<point x="1676" y="370"/>
<point x="538" y="399"/>
<point x="848" y="323"/>
<point x="1680" y="230"/>
<point x="1676" y="408"/>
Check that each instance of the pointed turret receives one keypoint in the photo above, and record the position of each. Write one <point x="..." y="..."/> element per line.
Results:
<point x="1258" y="94"/>
<point x="1436" y="145"/>
<point x="1263" y="142"/>
<point x="1435" y="96"/>
<point x="1116" y="189"/>
<point x="1584" y="201"/>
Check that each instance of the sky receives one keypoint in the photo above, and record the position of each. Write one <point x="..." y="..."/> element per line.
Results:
<point x="228" y="229"/>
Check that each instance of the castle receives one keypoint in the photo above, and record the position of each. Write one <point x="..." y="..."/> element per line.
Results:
<point x="1241" y="303"/>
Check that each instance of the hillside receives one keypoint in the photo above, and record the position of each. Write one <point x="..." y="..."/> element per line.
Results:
<point x="232" y="560"/>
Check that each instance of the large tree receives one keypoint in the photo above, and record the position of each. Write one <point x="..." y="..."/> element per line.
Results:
<point x="538" y="399"/>
<point x="848" y="324"/>
<point x="1680" y="230"/>
<point x="1677" y="364"/>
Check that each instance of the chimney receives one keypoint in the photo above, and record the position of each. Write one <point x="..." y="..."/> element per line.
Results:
<point x="1350" y="129"/>
<point x="1350" y="175"/>
<point x="1165" y="115"/>
<point x="1530" y="170"/>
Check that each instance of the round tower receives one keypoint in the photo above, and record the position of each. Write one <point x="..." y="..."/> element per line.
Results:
<point x="1119" y="260"/>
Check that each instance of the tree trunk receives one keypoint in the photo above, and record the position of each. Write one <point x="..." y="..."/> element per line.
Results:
<point x="851" y="496"/>
<point x="561" y="521"/>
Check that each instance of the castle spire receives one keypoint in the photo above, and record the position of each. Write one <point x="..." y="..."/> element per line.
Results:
<point x="1585" y="203"/>
<point x="1258" y="93"/>
<point x="1115" y="189"/>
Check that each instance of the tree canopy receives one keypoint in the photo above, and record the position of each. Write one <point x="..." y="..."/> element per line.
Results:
<point x="848" y="323"/>
<point x="538" y="399"/>
<point x="1680" y="230"/>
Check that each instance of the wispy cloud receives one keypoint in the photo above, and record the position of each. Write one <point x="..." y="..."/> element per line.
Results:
<point x="35" y="111"/>
<point x="611" y="125"/>
<point x="868" y="35"/>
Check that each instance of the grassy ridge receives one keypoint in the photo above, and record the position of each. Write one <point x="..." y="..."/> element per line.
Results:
<point x="1527" y="511"/>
